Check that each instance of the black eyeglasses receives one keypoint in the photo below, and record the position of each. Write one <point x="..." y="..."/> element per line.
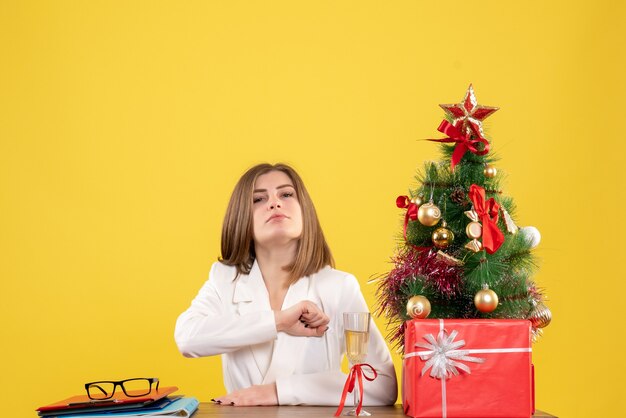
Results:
<point x="131" y="387"/>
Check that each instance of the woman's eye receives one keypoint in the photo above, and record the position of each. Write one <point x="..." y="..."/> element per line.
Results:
<point x="288" y="194"/>
<point x="257" y="199"/>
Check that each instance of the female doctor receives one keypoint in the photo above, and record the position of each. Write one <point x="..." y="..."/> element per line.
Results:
<point x="273" y="304"/>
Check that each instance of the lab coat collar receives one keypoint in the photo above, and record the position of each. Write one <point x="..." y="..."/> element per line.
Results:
<point x="251" y="296"/>
<point x="250" y="287"/>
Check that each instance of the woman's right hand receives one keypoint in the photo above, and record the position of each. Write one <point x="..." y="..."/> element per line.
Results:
<point x="304" y="319"/>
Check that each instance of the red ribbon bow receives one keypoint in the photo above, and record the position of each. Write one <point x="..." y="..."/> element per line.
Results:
<point x="356" y="373"/>
<point x="411" y="212"/>
<point x="488" y="213"/>
<point x="463" y="142"/>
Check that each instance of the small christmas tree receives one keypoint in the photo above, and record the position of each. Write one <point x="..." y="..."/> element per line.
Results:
<point x="462" y="254"/>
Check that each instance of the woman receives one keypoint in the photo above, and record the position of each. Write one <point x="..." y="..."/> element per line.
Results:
<point x="273" y="304"/>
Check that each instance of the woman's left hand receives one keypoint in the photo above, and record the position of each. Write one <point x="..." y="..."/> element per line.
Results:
<point x="261" y="395"/>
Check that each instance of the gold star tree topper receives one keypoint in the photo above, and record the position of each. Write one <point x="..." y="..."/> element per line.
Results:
<point x="468" y="115"/>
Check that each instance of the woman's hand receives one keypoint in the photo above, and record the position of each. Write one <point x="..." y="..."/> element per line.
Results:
<point x="303" y="319"/>
<point x="262" y="395"/>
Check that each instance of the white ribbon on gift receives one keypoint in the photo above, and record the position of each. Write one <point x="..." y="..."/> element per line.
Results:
<point x="443" y="355"/>
<point x="444" y="359"/>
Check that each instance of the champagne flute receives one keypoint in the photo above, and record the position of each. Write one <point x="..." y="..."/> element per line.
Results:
<point x="356" y="327"/>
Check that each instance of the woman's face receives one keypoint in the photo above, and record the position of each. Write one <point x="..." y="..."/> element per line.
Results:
<point x="276" y="212"/>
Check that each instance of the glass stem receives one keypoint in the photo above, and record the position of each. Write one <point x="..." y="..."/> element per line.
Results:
<point x="356" y="395"/>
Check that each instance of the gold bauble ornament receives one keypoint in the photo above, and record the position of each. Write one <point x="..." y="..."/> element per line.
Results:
<point x="418" y="307"/>
<point x="490" y="171"/>
<point x="417" y="200"/>
<point x="486" y="300"/>
<point x="442" y="236"/>
<point x="540" y="316"/>
<point x="429" y="214"/>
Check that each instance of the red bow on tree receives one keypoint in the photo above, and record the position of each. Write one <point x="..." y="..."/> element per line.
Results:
<point x="466" y="142"/>
<point x="356" y="373"/>
<point x="411" y="211"/>
<point x="488" y="213"/>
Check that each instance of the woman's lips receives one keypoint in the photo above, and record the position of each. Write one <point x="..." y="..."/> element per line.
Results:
<point x="277" y="216"/>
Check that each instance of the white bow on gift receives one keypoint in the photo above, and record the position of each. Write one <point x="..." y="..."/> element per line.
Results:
<point x="443" y="357"/>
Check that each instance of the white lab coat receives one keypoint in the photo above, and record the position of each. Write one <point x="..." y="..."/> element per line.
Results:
<point x="233" y="317"/>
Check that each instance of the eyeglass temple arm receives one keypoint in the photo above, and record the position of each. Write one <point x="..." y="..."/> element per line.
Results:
<point x="101" y="390"/>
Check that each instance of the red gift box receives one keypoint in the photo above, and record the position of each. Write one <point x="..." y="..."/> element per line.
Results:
<point x="462" y="368"/>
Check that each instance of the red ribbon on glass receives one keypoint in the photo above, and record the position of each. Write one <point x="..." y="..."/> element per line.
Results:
<point x="488" y="213"/>
<point x="411" y="210"/>
<point x="356" y="374"/>
<point x="464" y="143"/>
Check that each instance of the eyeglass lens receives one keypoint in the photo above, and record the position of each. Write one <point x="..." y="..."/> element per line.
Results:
<point x="131" y="387"/>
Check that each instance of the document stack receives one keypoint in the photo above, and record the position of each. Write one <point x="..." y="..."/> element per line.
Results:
<point x="158" y="403"/>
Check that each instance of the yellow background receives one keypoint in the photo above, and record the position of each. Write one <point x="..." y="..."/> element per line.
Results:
<point x="125" y="125"/>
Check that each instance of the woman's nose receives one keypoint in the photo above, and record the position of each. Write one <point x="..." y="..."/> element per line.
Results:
<point x="274" y="203"/>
